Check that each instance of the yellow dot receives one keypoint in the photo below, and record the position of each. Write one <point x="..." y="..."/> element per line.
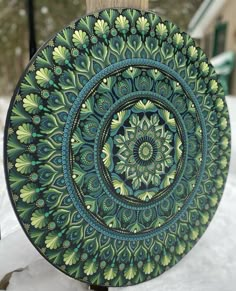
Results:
<point x="104" y="80"/>
<point x="110" y="225"/>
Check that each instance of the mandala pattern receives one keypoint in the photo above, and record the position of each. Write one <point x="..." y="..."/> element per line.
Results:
<point x="117" y="147"/>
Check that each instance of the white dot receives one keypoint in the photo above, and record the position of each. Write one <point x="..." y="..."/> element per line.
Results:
<point x="104" y="80"/>
<point x="44" y="10"/>
<point x="72" y="140"/>
<point x="18" y="51"/>
<point x="88" y="206"/>
<point x="73" y="176"/>
<point x="83" y="105"/>
<point x="22" y="12"/>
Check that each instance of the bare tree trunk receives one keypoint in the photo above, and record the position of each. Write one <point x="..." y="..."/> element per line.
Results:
<point x="95" y="5"/>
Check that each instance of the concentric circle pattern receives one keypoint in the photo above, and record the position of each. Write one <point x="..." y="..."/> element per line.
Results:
<point x="117" y="147"/>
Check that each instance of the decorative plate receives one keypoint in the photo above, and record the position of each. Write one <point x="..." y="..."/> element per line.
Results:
<point x="117" y="147"/>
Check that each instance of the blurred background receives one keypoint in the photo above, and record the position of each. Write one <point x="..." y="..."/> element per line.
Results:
<point x="211" y="266"/>
<point x="211" y="22"/>
<point x="50" y="17"/>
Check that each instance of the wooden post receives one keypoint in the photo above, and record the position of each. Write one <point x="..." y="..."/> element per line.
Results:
<point x="96" y="5"/>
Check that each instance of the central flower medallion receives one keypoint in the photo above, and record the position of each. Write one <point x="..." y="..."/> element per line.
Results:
<point x="145" y="150"/>
<point x="142" y="150"/>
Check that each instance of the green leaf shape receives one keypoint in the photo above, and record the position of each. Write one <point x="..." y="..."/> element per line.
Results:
<point x="101" y="28"/>
<point x="118" y="120"/>
<point x="55" y="256"/>
<point x="142" y="106"/>
<point x="178" y="40"/>
<point x="39" y="219"/>
<point x="130" y="272"/>
<point x="24" y="164"/>
<point x="71" y="257"/>
<point x="14" y="147"/>
<point x="38" y="237"/>
<point x="32" y="103"/>
<point x="86" y="23"/>
<point x="180" y="247"/>
<point x="29" y="84"/>
<point x="109" y="15"/>
<point x="76" y="270"/>
<point x="91" y="246"/>
<point x="120" y="185"/>
<point x="122" y="24"/>
<point x="192" y="53"/>
<point x="64" y="38"/>
<point x="28" y="193"/>
<point x="53" y="240"/>
<point x="135" y="43"/>
<point x="213" y="86"/>
<point x="61" y="55"/>
<point x="153" y="19"/>
<point x="161" y="31"/>
<point x="24" y="133"/>
<point x="19" y="115"/>
<point x="143" y="25"/>
<point x="25" y="211"/>
<point x="87" y="108"/>
<point x="148" y="268"/>
<point x="62" y="216"/>
<point x="107" y="253"/>
<point x="107" y="154"/>
<point x="110" y="272"/>
<point x="165" y="259"/>
<point x="44" y="59"/>
<point x="99" y="52"/>
<point x="117" y="45"/>
<point x="132" y="15"/>
<point x="80" y="39"/>
<point x="90" y="267"/>
<point x="151" y="45"/>
<point x="204" y="67"/>
<point x="16" y="179"/>
<point x="44" y="77"/>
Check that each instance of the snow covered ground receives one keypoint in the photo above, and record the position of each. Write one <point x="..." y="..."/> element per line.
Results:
<point x="210" y="266"/>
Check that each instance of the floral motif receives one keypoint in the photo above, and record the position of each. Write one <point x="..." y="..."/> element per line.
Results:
<point x="144" y="151"/>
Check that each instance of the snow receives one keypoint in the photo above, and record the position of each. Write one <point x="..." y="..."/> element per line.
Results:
<point x="210" y="266"/>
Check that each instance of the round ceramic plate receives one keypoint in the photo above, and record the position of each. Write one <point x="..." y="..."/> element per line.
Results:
<point x="117" y="147"/>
